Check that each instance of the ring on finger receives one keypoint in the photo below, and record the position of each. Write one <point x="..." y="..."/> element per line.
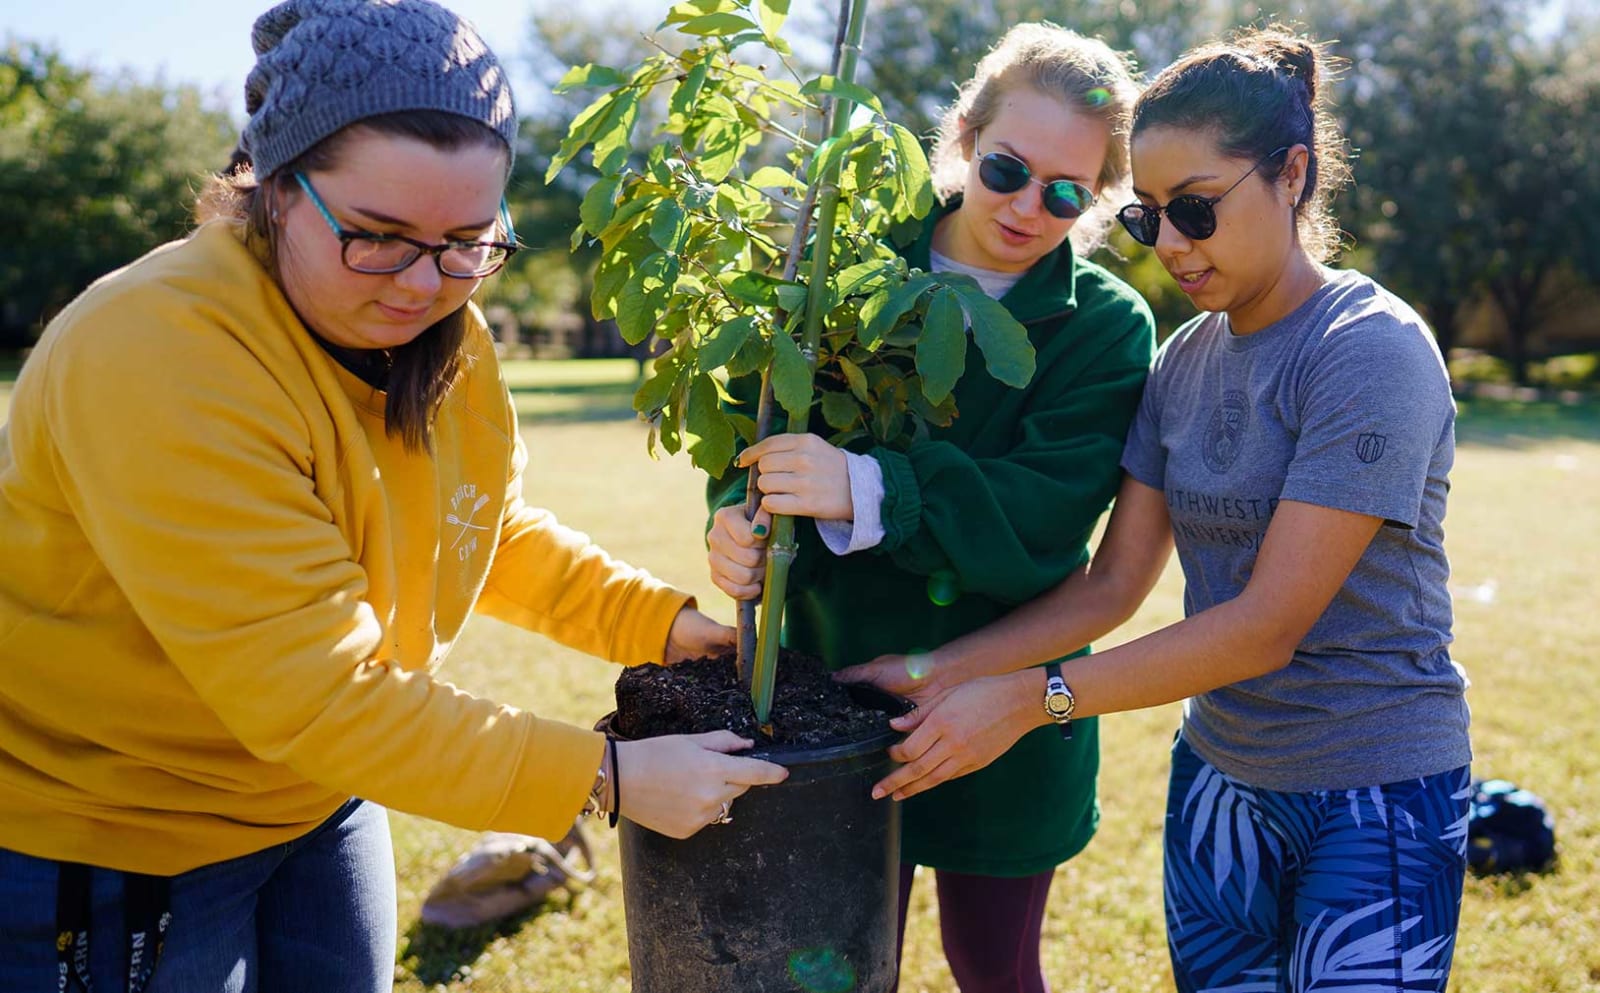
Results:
<point x="724" y="814"/>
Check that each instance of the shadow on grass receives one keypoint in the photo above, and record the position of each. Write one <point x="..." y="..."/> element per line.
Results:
<point x="1520" y="424"/>
<point x="445" y="955"/>
<point x="1517" y="882"/>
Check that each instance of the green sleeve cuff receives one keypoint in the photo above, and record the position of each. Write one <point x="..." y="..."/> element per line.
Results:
<point x="902" y="498"/>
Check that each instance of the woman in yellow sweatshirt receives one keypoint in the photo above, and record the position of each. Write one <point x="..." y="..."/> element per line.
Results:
<point x="251" y="487"/>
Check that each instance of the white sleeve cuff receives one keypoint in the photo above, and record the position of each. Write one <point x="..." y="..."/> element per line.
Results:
<point x="866" y="496"/>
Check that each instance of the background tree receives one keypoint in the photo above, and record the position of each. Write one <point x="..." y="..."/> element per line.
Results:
<point x="1412" y="101"/>
<point x="93" y="173"/>
<point x="1475" y="123"/>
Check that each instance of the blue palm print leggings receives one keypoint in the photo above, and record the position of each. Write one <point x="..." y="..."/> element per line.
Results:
<point x="1272" y="892"/>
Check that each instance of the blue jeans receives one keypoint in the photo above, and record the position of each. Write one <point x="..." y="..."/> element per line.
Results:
<point x="317" y="913"/>
<point x="1272" y="892"/>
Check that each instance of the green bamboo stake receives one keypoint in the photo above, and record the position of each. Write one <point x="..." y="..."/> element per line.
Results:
<point x="781" y="547"/>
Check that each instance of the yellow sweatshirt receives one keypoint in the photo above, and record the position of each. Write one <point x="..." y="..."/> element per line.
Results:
<point x="224" y="590"/>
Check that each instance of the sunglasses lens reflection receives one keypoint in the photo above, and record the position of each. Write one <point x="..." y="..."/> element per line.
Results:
<point x="1002" y="173"/>
<point x="1193" y="216"/>
<point x="1065" y="199"/>
<point x="1140" y="222"/>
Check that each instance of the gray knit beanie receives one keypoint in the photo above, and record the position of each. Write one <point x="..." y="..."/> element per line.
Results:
<point x="324" y="64"/>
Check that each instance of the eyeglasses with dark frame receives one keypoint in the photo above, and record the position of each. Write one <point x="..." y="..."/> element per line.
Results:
<point x="383" y="254"/>
<point x="1194" y="216"/>
<point x="1004" y="173"/>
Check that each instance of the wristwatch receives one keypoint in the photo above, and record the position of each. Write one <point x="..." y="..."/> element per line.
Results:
<point x="1058" y="700"/>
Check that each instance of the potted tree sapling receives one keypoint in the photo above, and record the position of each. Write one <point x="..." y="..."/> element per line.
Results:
<point x="751" y="235"/>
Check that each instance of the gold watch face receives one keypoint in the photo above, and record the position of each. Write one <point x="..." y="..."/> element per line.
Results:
<point x="1058" y="705"/>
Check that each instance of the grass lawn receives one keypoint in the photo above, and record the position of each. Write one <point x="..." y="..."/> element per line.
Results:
<point x="1524" y="531"/>
<point x="1524" y="537"/>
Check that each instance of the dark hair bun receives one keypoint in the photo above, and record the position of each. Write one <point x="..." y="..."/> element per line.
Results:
<point x="1291" y="53"/>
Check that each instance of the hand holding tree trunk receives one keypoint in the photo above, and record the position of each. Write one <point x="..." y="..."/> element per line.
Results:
<point x="694" y="231"/>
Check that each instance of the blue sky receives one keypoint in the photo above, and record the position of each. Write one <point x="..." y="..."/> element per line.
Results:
<point x="207" y="42"/>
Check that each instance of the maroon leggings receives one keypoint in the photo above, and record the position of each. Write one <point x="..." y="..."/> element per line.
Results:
<point x="990" y="929"/>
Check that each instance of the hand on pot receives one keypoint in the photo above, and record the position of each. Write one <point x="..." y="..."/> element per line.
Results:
<point x="961" y="732"/>
<point x="676" y="785"/>
<point x="919" y="678"/>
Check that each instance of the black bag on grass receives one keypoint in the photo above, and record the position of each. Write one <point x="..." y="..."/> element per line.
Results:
<point x="1508" y="829"/>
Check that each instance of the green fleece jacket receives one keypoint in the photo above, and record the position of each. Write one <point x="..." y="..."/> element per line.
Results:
<point x="984" y="515"/>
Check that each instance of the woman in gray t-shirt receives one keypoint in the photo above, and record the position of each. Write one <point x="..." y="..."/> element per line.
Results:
<point x="1294" y="444"/>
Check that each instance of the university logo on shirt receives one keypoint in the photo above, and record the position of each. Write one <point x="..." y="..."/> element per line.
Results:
<point x="1369" y="447"/>
<point x="461" y="525"/>
<point x="1225" y="432"/>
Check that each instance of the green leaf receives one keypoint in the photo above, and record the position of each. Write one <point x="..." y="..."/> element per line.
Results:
<point x="717" y="25"/>
<point x="1007" y="351"/>
<point x="827" y="159"/>
<point x="752" y="287"/>
<point x="687" y="93"/>
<point x="615" y="133"/>
<point x="774" y="176"/>
<point x="942" y="346"/>
<point x="721" y="144"/>
<point x="792" y="297"/>
<point x="706" y="427"/>
<point x="671" y="435"/>
<point x="744" y="426"/>
<point x="612" y="275"/>
<point x="645" y="296"/>
<point x="888" y="416"/>
<point x="637" y="197"/>
<point x="698" y="195"/>
<point x="856" y="378"/>
<point x="840" y="411"/>
<point x="690" y="9"/>
<point x="653" y="393"/>
<point x="791" y="379"/>
<point x="884" y="308"/>
<point x="772" y="14"/>
<point x="864" y="163"/>
<point x="668" y="226"/>
<point x="599" y="204"/>
<point x="613" y="160"/>
<point x="589" y="75"/>
<point x="912" y="180"/>
<point x="841" y="90"/>
<point x="580" y="133"/>
<point x="856" y="278"/>
<point x="939" y="416"/>
<point x="752" y="357"/>
<point x="723" y="341"/>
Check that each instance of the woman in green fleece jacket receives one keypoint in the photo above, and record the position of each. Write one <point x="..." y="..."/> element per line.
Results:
<point x="914" y="547"/>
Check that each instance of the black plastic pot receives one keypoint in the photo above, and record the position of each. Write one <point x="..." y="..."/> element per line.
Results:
<point x="797" y="894"/>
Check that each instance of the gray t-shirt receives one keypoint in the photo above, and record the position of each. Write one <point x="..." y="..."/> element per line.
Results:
<point x="1344" y="403"/>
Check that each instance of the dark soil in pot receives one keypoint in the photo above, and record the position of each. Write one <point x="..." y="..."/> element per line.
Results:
<point x="808" y="707"/>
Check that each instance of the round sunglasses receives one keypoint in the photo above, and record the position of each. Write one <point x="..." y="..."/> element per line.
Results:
<point x="1003" y="173"/>
<point x="1194" y="216"/>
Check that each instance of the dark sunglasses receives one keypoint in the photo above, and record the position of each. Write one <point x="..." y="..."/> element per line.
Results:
<point x="1003" y="173"/>
<point x="1194" y="216"/>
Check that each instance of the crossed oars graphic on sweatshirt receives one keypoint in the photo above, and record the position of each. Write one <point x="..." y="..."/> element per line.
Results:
<point x="466" y="524"/>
